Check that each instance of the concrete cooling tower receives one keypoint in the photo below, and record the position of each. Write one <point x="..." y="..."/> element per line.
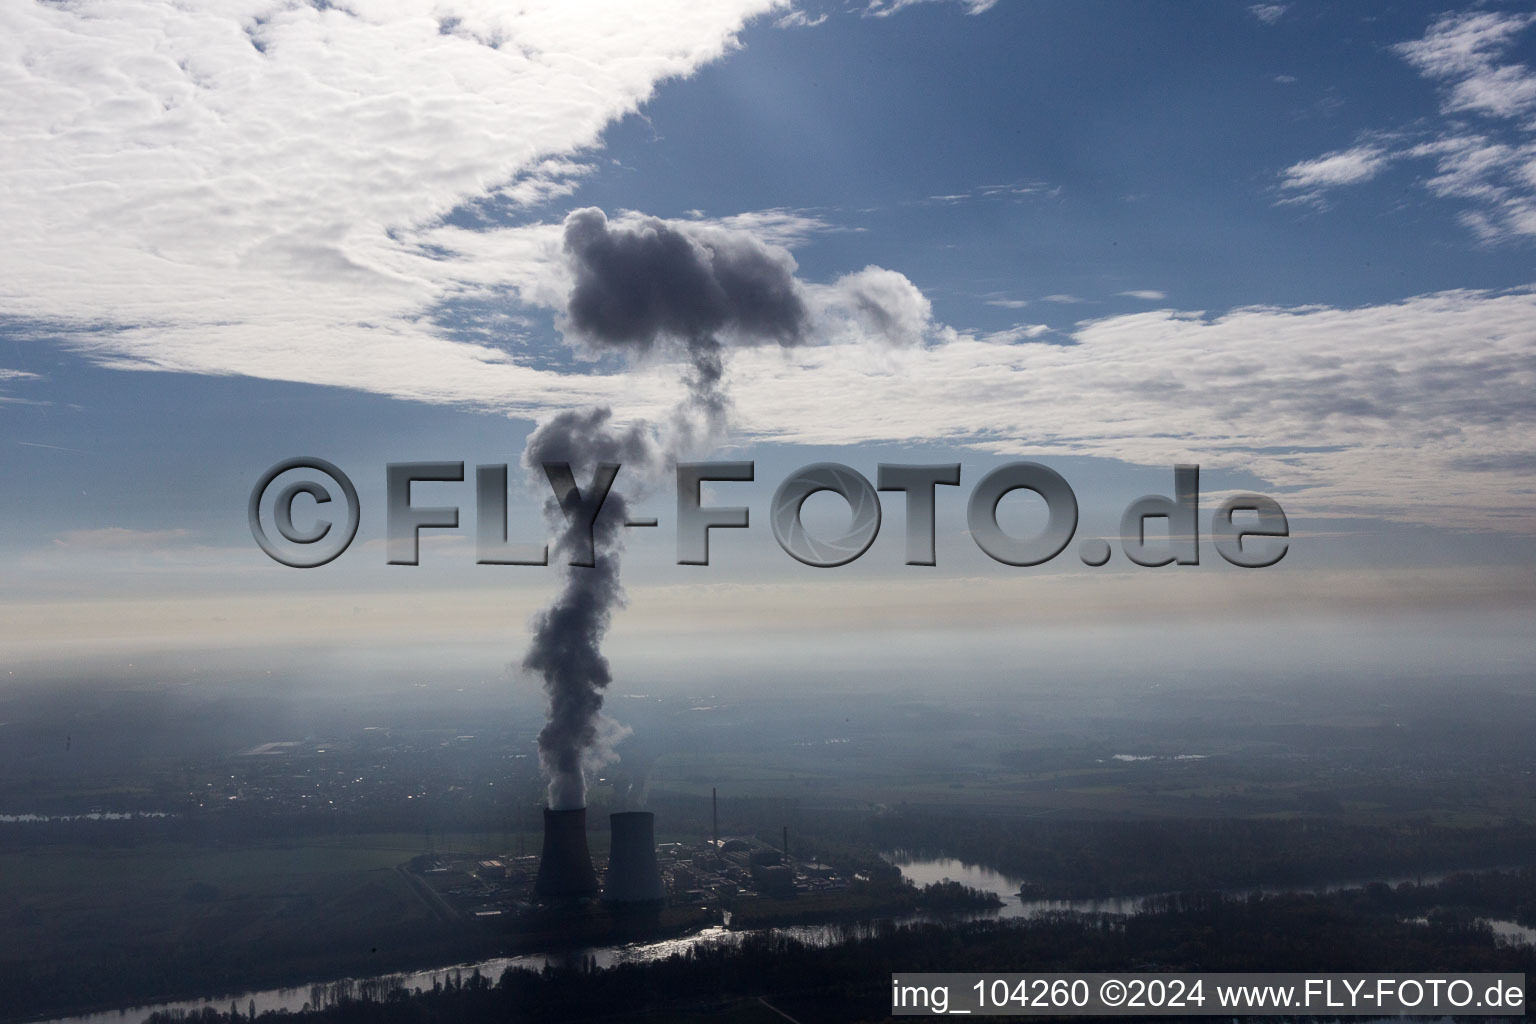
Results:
<point x="633" y="877"/>
<point x="565" y="866"/>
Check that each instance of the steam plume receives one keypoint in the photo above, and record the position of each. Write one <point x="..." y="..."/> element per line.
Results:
<point x="566" y="650"/>
<point x="640" y="287"/>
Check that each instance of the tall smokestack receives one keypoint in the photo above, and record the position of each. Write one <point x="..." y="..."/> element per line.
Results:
<point x="633" y="877"/>
<point x="565" y="866"/>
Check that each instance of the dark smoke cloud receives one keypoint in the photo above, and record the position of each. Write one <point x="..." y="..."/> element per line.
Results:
<point x="639" y="287"/>
<point x="642" y="283"/>
<point x="646" y="284"/>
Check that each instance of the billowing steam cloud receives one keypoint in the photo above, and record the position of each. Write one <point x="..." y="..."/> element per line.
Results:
<point x="646" y="282"/>
<point x="566" y="650"/>
<point x="650" y="284"/>
<point x="639" y="287"/>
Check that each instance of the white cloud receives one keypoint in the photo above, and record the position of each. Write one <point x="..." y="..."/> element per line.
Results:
<point x="253" y="187"/>
<point x="1490" y="165"/>
<point x="1064" y="299"/>
<point x="1346" y="167"/>
<point x="1015" y="191"/>
<point x="1494" y="170"/>
<point x="1502" y="92"/>
<point x="787" y="228"/>
<point x="799" y="19"/>
<point x="1463" y="50"/>
<point x="885" y="8"/>
<point x="1017" y="333"/>
<point x="1008" y="303"/>
<point x="1418" y="410"/>
<point x="1150" y="294"/>
<point x="873" y="303"/>
<point x="1268" y="13"/>
<point x="8" y="376"/>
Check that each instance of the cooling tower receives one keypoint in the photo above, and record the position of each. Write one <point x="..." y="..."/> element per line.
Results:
<point x="633" y="876"/>
<point x="565" y="866"/>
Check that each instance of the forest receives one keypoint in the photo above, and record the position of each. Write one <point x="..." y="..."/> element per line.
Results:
<point x="1406" y="928"/>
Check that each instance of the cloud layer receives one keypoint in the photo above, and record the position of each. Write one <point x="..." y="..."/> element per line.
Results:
<point x="266" y="189"/>
<point x="250" y="186"/>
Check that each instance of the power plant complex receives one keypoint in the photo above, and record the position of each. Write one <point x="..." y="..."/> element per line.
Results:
<point x="641" y="877"/>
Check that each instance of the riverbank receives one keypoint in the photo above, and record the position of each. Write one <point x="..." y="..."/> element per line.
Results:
<point x="1490" y="889"/>
<point x="846" y="977"/>
<point x="533" y="941"/>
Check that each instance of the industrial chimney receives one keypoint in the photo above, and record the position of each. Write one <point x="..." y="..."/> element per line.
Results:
<point x="633" y="877"/>
<point x="565" y="866"/>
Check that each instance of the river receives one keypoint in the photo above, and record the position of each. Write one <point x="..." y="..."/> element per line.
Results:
<point x="921" y="871"/>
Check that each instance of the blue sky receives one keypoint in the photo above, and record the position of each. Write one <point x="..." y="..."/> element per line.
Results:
<point x="1150" y="139"/>
<point x="1291" y="242"/>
